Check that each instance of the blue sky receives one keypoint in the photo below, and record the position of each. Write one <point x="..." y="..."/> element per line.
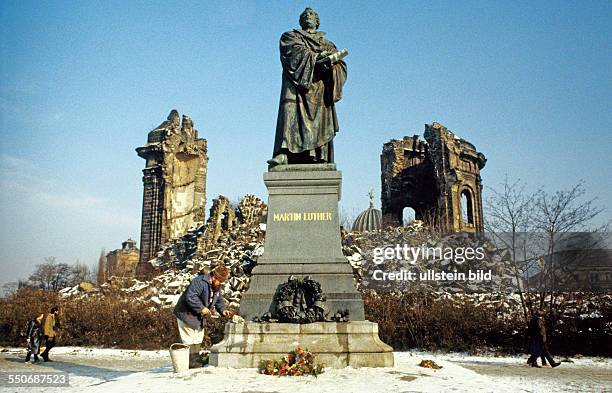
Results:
<point x="82" y="83"/>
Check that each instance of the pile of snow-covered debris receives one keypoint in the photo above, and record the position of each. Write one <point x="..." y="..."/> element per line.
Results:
<point x="235" y="236"/>
<point x="232" y="236"/>
<point x="369" y="251"/>
<point x="81" y="288"/>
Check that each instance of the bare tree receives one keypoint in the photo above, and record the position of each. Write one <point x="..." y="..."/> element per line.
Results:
<point x="51" y="275"/>
<point x="530" y="226"/>
<point x="9" y="288"/>
<point x="347" y="218"/>
<point x="554" y="215"/>
<point x="101" y="270"/>
<point x="508" y="217"/>
<point x="79" y="272"/>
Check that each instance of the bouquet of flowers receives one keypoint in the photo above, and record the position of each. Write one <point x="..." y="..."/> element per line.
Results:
<point x="295" y="363"/>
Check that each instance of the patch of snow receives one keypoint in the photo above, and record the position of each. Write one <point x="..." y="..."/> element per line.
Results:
<point x="457" y="374"/>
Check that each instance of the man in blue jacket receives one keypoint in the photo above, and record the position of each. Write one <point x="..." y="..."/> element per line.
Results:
<point x="195" y="304"/>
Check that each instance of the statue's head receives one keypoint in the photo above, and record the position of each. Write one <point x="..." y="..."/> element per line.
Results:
<point x="309" y="19"/>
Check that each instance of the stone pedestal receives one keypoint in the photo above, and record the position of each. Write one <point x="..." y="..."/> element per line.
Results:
<point x="336" y="345"/>
<point x="303" y="238"/>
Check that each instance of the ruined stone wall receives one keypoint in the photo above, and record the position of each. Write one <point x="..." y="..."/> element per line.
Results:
<point x="431" y="176"/>
<point x="407" y="179"/>
<point x="250" y="212"/>
<point x="174" y="183"/>
<point x="222" y="218"/>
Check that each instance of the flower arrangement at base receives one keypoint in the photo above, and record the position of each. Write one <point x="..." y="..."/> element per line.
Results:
<point x="295" y="363"/>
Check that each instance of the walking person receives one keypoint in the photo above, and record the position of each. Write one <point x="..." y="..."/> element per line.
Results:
<point x="33" y="335"/>
<point x="536" y="347"/>
<point x="50" y="330"/>
<point x="538" y="341"/>
<point x="545" y="352"/>
<point x="195" y="304"/>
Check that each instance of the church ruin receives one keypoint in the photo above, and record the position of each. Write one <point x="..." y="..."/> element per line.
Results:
<point x="439" y="178"/>
<point x="174" y="183"/>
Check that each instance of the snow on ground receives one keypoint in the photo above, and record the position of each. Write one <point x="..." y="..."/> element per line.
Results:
<point x="114" y="370"/>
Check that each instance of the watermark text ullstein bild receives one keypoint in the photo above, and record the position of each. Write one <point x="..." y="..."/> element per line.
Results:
<point x="411" y="255"/>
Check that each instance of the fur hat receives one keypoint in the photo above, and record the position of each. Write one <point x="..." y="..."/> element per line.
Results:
<point x="221" y="273"/>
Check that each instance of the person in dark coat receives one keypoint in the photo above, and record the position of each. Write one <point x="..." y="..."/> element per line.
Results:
<point x="195" y="304"/>
<point x="538" y="344"/>
<point x="33" y="335"/>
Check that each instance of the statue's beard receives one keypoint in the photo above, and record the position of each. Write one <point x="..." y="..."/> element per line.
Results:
<point x="309" y="25"/>
<point x="216" y="286"/>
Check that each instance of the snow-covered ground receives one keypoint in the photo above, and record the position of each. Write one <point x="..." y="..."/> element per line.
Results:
<point x="114" y="370"/>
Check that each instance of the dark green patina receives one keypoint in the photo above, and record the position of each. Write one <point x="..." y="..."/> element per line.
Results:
<point x="313" y="76"/>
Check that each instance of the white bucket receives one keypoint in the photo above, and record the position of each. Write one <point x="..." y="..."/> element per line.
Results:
<point x="179" y="353"/>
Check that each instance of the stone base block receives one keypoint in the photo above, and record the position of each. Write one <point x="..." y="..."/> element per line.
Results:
<point x="303" y="239"/>
<point x="336" y="344"/>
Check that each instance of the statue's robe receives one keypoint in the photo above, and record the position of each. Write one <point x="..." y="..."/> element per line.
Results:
<point x="307" y="121"/>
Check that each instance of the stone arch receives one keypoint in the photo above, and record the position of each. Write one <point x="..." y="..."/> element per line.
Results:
<point x="467" y="206"/>
<point x="408" y="215"/>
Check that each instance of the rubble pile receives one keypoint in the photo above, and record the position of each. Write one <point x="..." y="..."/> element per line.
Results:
<point x="84" y="287"/>
<point x="238" y="243"/>
<point x="176" y="253"/>
<point x="351" y="242"/>
<point x="231" y="236"/>
<point x="506" y="305"/>
<point x="360" y="249"/>
<point x="235" y="237"/>
<point x="228" y="234"/>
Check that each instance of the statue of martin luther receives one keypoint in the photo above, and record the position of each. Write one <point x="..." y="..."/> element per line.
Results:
<point x="313" y="76"/>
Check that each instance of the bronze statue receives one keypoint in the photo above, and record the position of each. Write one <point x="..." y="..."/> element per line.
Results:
<point x="313" y="76"/>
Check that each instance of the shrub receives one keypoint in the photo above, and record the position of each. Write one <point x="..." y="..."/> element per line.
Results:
<point x="97" y="321"/>
<point x="405" y="321"/>
<point x="429" y="322"/>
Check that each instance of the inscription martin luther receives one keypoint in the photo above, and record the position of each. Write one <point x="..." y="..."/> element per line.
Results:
<point x="304" y="216"/>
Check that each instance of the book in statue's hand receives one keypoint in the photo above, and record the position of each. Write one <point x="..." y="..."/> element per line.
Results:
<point x="334" y="57"/>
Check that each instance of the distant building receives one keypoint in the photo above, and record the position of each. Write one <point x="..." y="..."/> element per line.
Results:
<point x="368" y="220"/>
<point x="582" y="263"/>
<point x="121" y="262"/>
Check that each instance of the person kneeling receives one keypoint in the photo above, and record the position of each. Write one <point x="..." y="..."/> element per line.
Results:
<point x="195" y="304"/>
